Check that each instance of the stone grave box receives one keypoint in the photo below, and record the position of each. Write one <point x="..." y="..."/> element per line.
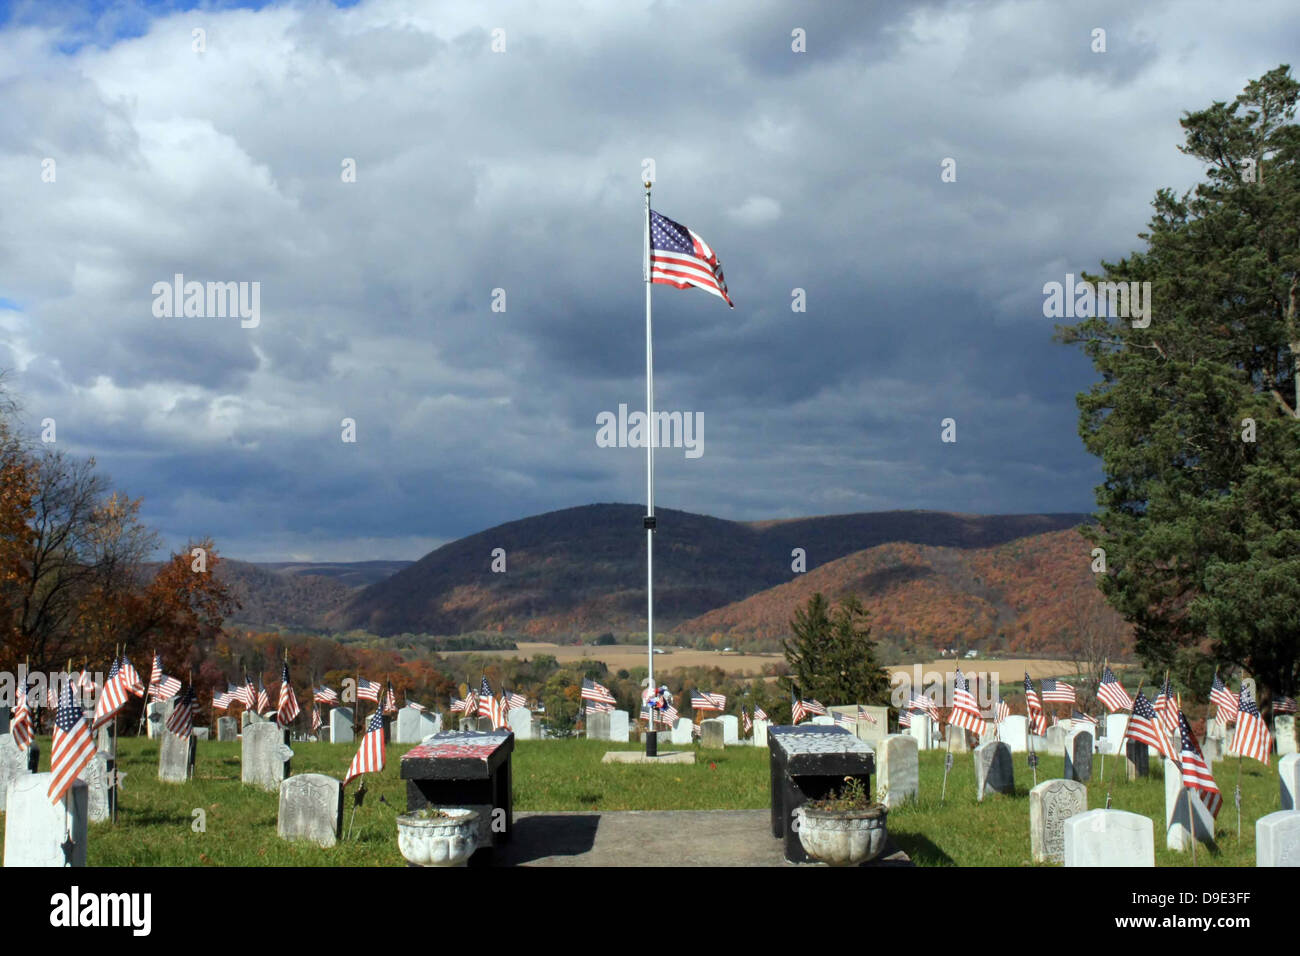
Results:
<point x="467" y="769"/>
<point x="806" y="763"/>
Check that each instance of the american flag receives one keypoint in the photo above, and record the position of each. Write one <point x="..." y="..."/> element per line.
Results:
<point x="759" y="713"/>
<point x="367" y="690"/>
<point x="263" y="698"/>
<point x="111" y="699"/>
<point x="863" y="715"/>
<point x="701" y="700"/>
<point x="413" y="705"/>
<point x="1166" y="707"/>
<point x="85" y="681"/>
<point x="814" y="706"/>
<point x="1112" y="693"/>
<point x="680" y="258"/>
<point x="72" y="747"/>
<point x="181" y="720"/>
<point x="129" y="677"/>
<point x="390" y="700"/>
<point x="457" y="705"/>
<point x="924" y="705"/>
<point x="1144" y="727"/>
<point x="156" y="672"/>
<point x="601" y="700"/>
<point x="719" y="699"/>
<point x="316" y="723"/>
<point x="1034" y="707"/>
<point x="965" y="711"/>
<point x="797" y="709"/>
<point x="1057" y="692"/>
<point x="1252" y="737"/>
<point x="1196" y="772"/>
<point x="286" y="712"/>
<point x="846" y="720"/>
<point x="324" y="695"/>
<point x="162" y="687"/>
<point x="248" y="693"/>
<point x="1284" y="705"/>
<point x="513" y="700"/>
<point x="21" y="724"/>
<point x="470" y="703"/>
<point x="905" y="718"/>
<point x="1001" y="711"/>
<point x="370" y="755"/>
<point x="746" y="724"/>
<point x="222" y="700"/>
<point x="1223" y="699"/>
<point x="497" y="712"/>
<point x="485" y="700"/>
<point x="1080" y="715"/>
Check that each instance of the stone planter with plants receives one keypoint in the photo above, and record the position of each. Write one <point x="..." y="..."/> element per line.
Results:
<point x="437" y="836"/>
<point x="845" y="827"/>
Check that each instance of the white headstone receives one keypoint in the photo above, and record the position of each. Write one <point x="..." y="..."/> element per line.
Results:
<point x="711" y="735"/>
<point x="521" y="722"/>
<point x="682" y="731"/>
<point x="265" y="757"/>
<point x="619" y="726"/>
<point x="760" y="733"/>
<point x="1288" y="770"/>
<point x="1284" y="734"/>
<point x="730" y="729"/>
<point x="156" y="717"/>
<point x="956" y="742"/>
<point x="176" y="757"/>
<point x="40" y="833"/>
<point x="597" y="725"/>
<point x="898" y="778"/>
<point x="227" y="728"/>
<point x="311" y="808"/>
<point x="341" y="725"/>
<point x="1115" y="725"/>
<point x="824" y="720"/>
<point x="1109" y="838"/>
<point x="1051" y="803"/>
<point x="1277" y="839"/>
<point x="13" y="764"/>
<point x="1014" y="732"/>
<point x="98" y="778"/>
<point x="1185" y="814"/>
<point x="1056" y="741"/>
<point x="920" y="729"/>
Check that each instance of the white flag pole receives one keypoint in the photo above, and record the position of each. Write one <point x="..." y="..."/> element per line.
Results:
<point x="651" y="739"/>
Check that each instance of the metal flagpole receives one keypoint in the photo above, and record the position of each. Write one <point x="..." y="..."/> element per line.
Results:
<point x="651" y="738"/>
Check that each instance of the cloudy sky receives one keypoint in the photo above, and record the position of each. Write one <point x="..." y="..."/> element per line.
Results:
<point x="221" y="156"/>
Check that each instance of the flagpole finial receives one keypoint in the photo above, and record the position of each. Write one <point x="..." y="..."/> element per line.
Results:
<point x="648" y="184"/>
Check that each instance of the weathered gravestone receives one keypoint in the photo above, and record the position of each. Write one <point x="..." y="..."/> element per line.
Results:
<point x="993" y="769"/>
<point x="1288" y="770"/>
<point x="619" y="726"/>
<point x="13" y="764"/>
<point x="682" y="731"/>
<point x="1284" y="734"/>
<point x="898" y="777"/>
<point x="156" y="714"/>
<point x="201" y="733"/>
<point x="176" y="757"/>
<point x="1116" y="724"/>
<point x="521" y="722"/>
<point x="1078" y="757"/>
<point x="1056" y="741"/>
<point x="711" y="734"/>
<point x="227" y="728"/>
<point x="598" y="725"/>
<point x="1210" y="750"/>
<point x="40" y="833"/>
<point x="409" y="727"/>
<point x="1277" y="839"/>
<point x="988" y="734"/>
<point x="730" y="729"/>
<point x="760" y="733"/>
<point x="957" y="740"/>
<point x="1014" y="732"/>
<point x="311" y="809"/>
<point x="341" y="725"/>
<point x="1137" y="759"/>
<point x="266" y="756"/>
<point x="1186" y="817"/>
<point x="824" y="720"/>
<point x="100" y="794"/>
<point x="1051" y="803"/>
<point x="920" y="731"/>
<point x="1109" y="838"/>
<point x="872" y="732"/>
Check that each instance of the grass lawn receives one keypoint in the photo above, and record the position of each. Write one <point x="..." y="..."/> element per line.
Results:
<point x="157" y="823"/>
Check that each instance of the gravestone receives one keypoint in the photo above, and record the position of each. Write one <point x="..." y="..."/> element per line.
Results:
<point x="993" y="769"/>
<point x="1078" y="757"/>
<point x="100" y="796"/>
<point x="730" y="729"/>
<point x="104" y="741"/>
<point x="682" y="731"/>
<point x="227" y="728"/>
<point x="156" y="717"/>
<point x="13" y="764"/>
<point x="521" y="722"/>
<point x="760" y="733"/>
<point x="1215" y="729"/>
<point x="1288" y="770"/>
<point x="1056" y="741"/>
<point x="957" y="740"/>
<point x="1116" y="724"/>
<point x="711" y="734"/>
<point x="989" y="733"/>
<point x="200" y="733"/>
<point x="311" y="809"/>
<point x="1051" y="803"/>
<point x="1137" y="759"/>
<point x="824" y="720"/>
<point x="406" y="727"/>
<point x="619" y="726"/>
<point x="1210" y="750"/>
<point x="1014" y="732"/>
<point x="868" y="731"/>
<point x="341" y="725"/>
<point x="265" y="757"/>
<point x="598" y="725"/>
<point x="1277" y="839"/>
<point x="1284" y="734"/>
<point x="1185" y="814"/>
<point x="897" y="769"/>
<point x="920" y="731"/>
<point x="1109" y="838"/>
<point x="176" y="757"/>
<point x="40" y="833"/>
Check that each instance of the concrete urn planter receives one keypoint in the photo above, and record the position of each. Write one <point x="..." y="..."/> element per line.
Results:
<point x="438" y="841"/>
<point x="843" y="837"/>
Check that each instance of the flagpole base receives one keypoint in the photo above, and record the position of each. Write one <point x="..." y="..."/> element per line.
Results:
<point x="652" y="743"/>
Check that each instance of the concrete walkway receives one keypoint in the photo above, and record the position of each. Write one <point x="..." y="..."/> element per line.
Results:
<point x="650" y="838"/>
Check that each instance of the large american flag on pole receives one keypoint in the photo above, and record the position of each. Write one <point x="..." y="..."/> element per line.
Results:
<point x="370" y="755"/>
<point x="72" y="747"/>
<point x="1252" y="737"/>
<point x="1112" y="693"/>
<point x="680" y="258"/>
<point x="1196" y="772"/>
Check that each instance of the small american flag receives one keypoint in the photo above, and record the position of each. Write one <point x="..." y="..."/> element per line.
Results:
<point x="863" y="715"/>
<point x="370" y="755"/>
<point x="130" y="677"/>
<point x="248" y="695"/>
<point x="1252" y="737"/>
<point x="904" y="718"/>
<point x="1196" y="772"/>
<point x="924" y="705"/>
<point x="21" y="724"/>
<point x="1223" y="698"/>
<point x="815" y="707"/>
<point x="315" y="718"/>
<point x="745" y="722"/>
<point x="1284" y="705"/>
<point x="965" y="711"/>
<point x="111" y="699"/>
<point x="156" y="672"/>
<point x="1057" y="692"/>
<point x="1166" y="708"/>
<point x="85" y="681"/>
<point x="846" y="720"/>
<point x="601" y="700"/>
<point x="759" y="713"/>
<point x="390" y="700"/>
<point x="1002" y="711"/>
<point x="367" y="690"/>
<point x="263" y="698"/>
<point x="1080" y="715"/>
<point x="1112" y="693"/>
<point x="513" y="700"/>
<point x="1144" y="727"/>
<point x="324" y="695"/>
<point x="72" y="747"/>
<point x="457" y="705"/>
<point x="413" y="705"/>
<point x="1034" y="707"/>
<point x="680" y="258"/>
<point x="797" y="711"/>
<point x="668" y="715"/>
<point x="700" y="700"/>
<point x="485" y="700"/>
<point x="181" y="720"/>
<point x="162" y="687"/>
<point x="286" y="712"/>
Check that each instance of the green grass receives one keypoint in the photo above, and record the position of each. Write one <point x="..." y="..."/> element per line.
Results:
<point x="156" y="820"/>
